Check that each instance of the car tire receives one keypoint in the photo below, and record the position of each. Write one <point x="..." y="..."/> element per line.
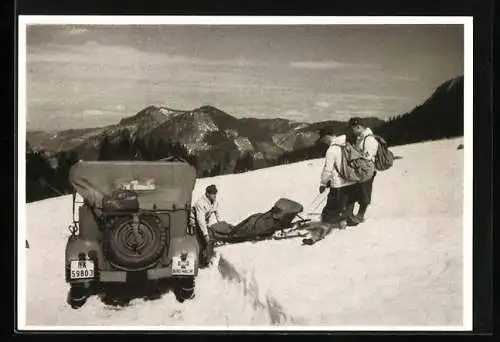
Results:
<point x="184" y="289"/>
<point x="77" y="296"/>
<point x="125" y="250"/>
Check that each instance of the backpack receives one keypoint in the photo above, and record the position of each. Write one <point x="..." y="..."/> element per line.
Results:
<point x="354" y="166"/>
<point x="384" y="157"/>
<point x="120" y="200"/>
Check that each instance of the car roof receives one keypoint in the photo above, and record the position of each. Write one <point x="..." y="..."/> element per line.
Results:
<point x="167" y="184"/>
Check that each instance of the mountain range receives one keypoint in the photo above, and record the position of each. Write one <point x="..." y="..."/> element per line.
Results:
<point x="213" y="135"/>
<point x="207" y="132"/>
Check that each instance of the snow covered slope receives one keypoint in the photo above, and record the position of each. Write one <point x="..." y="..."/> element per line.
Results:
<point x="402" y="266"/>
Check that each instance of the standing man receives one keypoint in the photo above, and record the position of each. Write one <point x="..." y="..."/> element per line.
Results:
<point x="367" y="144"/>
<point x="341" y="193"/>
<point x="200" y="216"/>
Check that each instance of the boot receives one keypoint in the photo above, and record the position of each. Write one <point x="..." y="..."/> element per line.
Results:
<point x="349" y="210"/>
<point x="343" y="224"/>
<point x="350" y="217"/>
<point x="360" y="216"/>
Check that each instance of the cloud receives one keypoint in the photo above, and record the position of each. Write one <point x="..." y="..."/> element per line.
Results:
<point x="322" y="104"/>
<point x="359" y="112"/>
<point x="324" y="65"/>
<point x="348" y="96"/>
<point x="92" y="53"/>
<point x="377" y="75"/>
<point x="293" y="114"/>
<point x="77" y="31"/>
<point x="371" y="97"/>
<point x="98" y="112"/>
<point x="91" y="43"/>
<point x="118" y="107"/>
<point x="405" y="78"/>
<point x="93" y="112"/>
<point x="237" y="62"/>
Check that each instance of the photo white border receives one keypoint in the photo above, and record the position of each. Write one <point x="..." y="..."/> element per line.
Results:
<point x="24" y="20"/>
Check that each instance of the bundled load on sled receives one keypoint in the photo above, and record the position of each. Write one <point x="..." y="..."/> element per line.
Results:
<point x="276" y="222"/>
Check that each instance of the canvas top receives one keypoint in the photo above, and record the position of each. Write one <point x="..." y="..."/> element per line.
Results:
<point x="159" y="184"/>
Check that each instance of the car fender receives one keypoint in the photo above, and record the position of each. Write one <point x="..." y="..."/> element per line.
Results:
<point x="88" y="225"/>
<point x="75" y="246"/>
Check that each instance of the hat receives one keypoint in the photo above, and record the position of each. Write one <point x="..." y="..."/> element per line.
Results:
<point x="326" y="131"/>
<point x="211" y="189"/>
<point x="355" y="121"/>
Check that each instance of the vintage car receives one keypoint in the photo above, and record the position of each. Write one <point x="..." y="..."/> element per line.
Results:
<point x="131" y="223"/>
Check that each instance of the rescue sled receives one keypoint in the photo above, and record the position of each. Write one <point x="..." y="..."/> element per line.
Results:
<point x="280" y="222"/>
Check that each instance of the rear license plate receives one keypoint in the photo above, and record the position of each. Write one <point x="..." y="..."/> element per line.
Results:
<point x="183" y="267"/>
<point x="82" y="269"/>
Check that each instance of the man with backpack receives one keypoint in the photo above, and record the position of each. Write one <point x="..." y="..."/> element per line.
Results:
<point x="342" y="191"/>
<point x="367" y="143"/>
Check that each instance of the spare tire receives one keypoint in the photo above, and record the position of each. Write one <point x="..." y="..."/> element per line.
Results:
<point x="136" y="244"/>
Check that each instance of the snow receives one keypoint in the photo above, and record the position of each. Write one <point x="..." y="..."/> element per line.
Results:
<point x="243" y="144"/>
<point x="403" y="266"/>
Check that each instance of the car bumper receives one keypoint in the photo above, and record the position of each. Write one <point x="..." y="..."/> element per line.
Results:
<point x="122" y="276"/>
<point x="117" y="276"/>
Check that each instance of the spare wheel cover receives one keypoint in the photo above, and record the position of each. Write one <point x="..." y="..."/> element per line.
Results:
<point x="136" y="245"/>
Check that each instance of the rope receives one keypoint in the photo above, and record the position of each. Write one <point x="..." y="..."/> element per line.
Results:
<point x="322" y="202"/>
<point x="317" y="204"/>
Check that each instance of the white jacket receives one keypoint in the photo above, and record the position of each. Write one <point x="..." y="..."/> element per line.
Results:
<point x="333" y="159"/>
<point x="201" y="213"/>
<point x="368" y="145"/>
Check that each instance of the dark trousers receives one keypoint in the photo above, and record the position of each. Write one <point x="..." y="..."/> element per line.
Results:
<point x="206" y="247"/>
<point x="364" y="194"/>
<point x="339" y="199"/>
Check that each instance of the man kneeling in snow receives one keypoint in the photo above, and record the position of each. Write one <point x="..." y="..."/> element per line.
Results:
<point x="342" y="192"/>
<point x="200" y="216"/>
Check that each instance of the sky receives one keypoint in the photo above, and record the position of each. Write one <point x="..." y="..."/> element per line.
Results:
<point x="88" y="75"/>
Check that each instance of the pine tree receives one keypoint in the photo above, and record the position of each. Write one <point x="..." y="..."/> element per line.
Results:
<point x="238" y="166"/>
<point x="193" y="160"/>
<point x="105" y="149"/>
<point x="124" y="148"/>
<point x="137" y="150"/>
<point x="248" y="162"/>
<point x="161" y="150"/>
<point x="216" y="170"/>
<point x="65" y="160"/>
<point x="177" y="149"/>
<point x="39" y="173"/>
<point x="227" y="158"/>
